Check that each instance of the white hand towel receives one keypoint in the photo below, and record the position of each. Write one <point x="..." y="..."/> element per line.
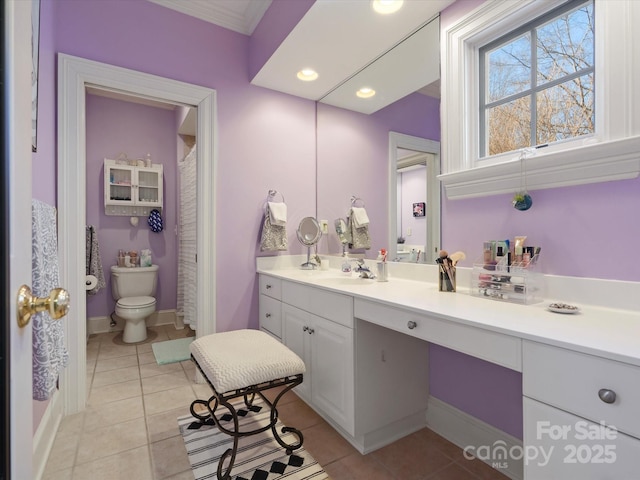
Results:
<point x="360" y="217"/>
<point x="278" y="213"/>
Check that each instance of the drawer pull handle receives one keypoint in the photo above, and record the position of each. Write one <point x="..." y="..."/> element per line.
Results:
<point x="411" y="324"/>
<point x="268" y="287"/>
<point x="311" y="331"/>
<point x="268" y="315"/>
<point x="606" y="395"/>
<point x="305" y="328"/>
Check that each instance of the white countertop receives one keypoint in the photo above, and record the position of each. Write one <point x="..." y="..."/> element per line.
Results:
<point x="607" y="332"/>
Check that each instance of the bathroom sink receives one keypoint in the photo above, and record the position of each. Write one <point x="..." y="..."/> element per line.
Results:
<point x="335" y="280"/>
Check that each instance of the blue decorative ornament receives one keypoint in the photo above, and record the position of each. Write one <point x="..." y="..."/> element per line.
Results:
<point x="155" y="221"/>
<point x="522" y="201"/>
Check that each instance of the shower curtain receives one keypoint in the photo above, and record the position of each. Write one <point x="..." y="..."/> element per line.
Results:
<point x="186" y="307"/>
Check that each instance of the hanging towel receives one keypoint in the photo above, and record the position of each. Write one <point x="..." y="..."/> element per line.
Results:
<point x="274" y="237"/>
<point x="94" y="262"/>
<point x="49" y="353"/>
<point x="360" y="217"/>
<point x="277" y="213"/>
<point x="155" y="221"/>
<point x="360" y="238"/>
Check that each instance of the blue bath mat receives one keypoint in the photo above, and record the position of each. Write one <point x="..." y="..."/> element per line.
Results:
<point x="172" y="351"/>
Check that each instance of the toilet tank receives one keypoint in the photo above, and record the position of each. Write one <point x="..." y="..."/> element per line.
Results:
<point x="133" y="282"/>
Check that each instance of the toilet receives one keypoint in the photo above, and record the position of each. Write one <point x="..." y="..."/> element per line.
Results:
<point x="133" y="290"/>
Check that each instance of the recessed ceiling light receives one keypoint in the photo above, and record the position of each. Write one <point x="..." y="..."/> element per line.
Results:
<point x="386" y="6"/>
<point x="307" y="75"/>
<point x="366" y="92"/>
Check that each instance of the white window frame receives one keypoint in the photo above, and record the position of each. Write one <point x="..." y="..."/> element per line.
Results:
<point x="612" y="153"/>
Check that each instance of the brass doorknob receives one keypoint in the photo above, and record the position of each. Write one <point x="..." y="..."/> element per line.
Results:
<point x="57" y="304"/>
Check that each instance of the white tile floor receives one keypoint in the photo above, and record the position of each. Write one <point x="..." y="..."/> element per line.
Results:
<point x="129" y="430"/>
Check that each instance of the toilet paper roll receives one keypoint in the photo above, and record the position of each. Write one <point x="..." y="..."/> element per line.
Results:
<point x="91" y="281"/>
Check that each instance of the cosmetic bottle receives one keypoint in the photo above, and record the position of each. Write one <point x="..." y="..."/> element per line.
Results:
<point x="346" y="264"/>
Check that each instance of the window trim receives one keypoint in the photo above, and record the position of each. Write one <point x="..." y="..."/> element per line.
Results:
<point x="612" y="153"/>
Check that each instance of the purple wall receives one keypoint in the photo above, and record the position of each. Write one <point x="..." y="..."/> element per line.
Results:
<point x="115" y="126"/>
<point x="268" y="140"/>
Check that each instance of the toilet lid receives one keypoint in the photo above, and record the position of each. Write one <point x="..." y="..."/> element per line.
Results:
<point x="136" y="302"/>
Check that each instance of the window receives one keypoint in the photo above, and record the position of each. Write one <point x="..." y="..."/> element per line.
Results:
<point x="593" y="139"/>
<point x="537" y="82"/>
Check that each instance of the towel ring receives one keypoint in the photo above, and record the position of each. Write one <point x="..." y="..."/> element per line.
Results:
<point x="270" y="198"/>
<point x="355" y="200"/>
<point x="273" y="193"/>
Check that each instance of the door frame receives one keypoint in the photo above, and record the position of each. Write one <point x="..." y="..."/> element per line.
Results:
<point x="74" y="75"/>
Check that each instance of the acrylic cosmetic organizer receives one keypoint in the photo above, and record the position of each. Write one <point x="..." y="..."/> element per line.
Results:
<point x="516" y="283"/>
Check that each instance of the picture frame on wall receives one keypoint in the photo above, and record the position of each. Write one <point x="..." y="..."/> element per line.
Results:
<point x="35" y="54"/>
<point x="419" y="209"/>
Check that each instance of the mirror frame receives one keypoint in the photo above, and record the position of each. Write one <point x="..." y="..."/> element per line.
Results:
<point x="307" y="221"/>
<point x="409" y="142"/>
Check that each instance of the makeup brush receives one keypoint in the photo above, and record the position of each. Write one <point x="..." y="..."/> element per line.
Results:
<point x="445" y="268"/>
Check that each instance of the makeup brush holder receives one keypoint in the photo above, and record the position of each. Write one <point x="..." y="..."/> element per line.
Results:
<point x="446" y="278"/>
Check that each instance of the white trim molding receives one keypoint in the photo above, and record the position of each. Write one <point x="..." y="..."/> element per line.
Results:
<point x="74" y="76"/>
<point x="472" y="434"/>
<point x="612" y="153"/>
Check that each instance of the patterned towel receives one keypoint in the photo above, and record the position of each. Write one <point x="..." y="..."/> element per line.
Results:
<point x="94" y="262"/>
<point x="49" y="353"/>
<point x="274" y="237"/>
<point x="360" y="238"/>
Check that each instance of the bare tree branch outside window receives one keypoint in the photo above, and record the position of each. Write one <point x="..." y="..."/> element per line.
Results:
<point x="539" y="86"/>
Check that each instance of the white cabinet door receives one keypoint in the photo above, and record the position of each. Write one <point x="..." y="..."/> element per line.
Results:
<point x="332" y="384"/>
<point x="327" y="351"/>
<point x="562" y="446"/>
<point x="127" y="186"/>
<point x="295" y="324"/>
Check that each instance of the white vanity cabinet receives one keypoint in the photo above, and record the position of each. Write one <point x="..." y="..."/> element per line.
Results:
<point x="318" y="326"/>
<point x="270" y="306"/>
<point x="132" y="190"/>
<point x="583" y="412"/>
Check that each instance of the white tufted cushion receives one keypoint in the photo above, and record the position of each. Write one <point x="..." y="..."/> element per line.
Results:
<point x="241" y="358"/>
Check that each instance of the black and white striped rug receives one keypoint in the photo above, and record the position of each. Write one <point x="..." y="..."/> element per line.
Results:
<point x="259" y="456"/>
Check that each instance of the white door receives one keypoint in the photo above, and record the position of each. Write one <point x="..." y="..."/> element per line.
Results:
<point x="17" y="92"/>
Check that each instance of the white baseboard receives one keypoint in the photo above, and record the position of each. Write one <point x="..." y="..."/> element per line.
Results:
<point x="469" y="432"/>
<point x="46" y="434"/>
<point x="103" y="324"/>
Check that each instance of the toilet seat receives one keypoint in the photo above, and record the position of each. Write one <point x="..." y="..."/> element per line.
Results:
<point x="136" y="302"/>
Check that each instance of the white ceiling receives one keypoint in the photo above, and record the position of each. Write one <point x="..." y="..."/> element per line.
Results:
<point x="346" y="42"/>
<point x="238" y="15"/>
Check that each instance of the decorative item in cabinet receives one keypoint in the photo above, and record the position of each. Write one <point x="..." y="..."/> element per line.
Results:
<point x="132" y="190"/>
<point x="516" y="283"/>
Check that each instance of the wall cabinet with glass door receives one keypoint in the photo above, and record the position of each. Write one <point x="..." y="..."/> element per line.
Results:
<point x="132" y="190"/>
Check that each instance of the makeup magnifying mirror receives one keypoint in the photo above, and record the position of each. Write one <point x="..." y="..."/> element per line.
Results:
<point x="309" y="234"/>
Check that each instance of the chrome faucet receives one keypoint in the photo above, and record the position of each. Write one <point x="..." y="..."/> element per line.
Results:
<point x="363" y="270"/>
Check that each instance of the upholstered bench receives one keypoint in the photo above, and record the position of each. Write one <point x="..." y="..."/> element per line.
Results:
<point x="244" y="363"/>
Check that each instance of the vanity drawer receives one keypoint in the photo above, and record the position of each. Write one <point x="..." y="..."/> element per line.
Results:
<point x="271" y="286"/>
<point x="332" y="306"/>
<point x="560" y="445"/>
<point x="271" y="315"/>
<point x="573" y="381"/>
<point x="491" y="346"/>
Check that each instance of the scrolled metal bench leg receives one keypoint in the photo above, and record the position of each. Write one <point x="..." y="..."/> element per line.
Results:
<point x="231" y="452"/>
<point x="289" y="448"/>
